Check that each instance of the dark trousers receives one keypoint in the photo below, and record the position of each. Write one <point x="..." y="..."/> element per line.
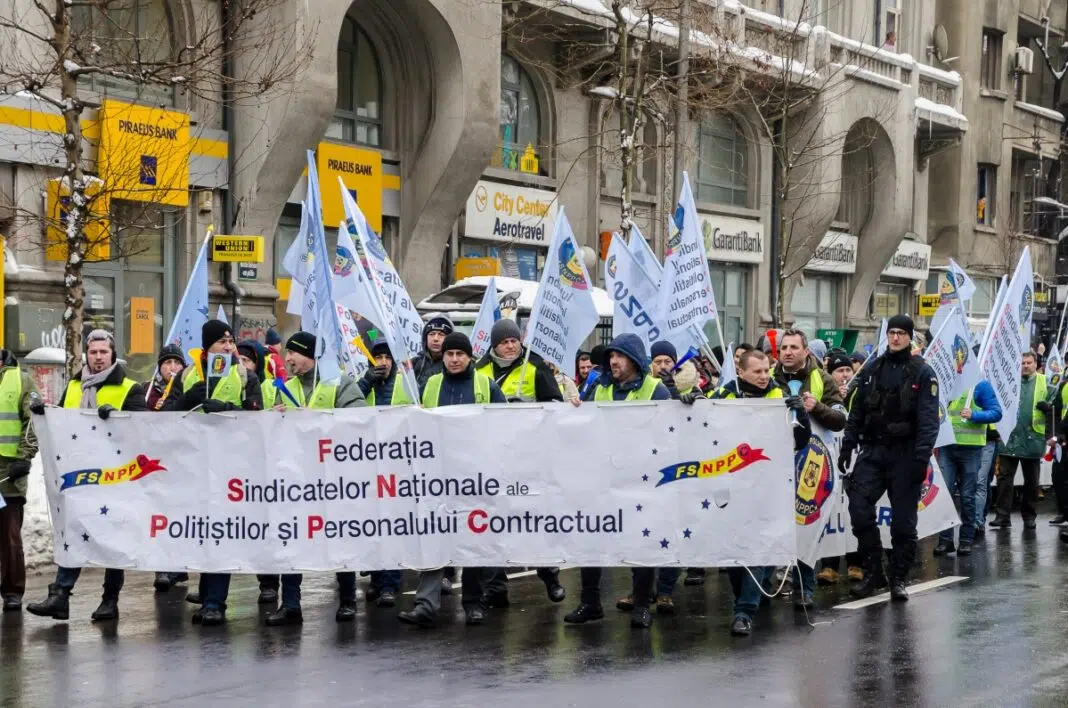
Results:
<point x="496" y="580"/>
<point x="1007" y="475"/>
<point x="268" y="582"/>
<point x="643" y="584"/>
<point x="386" y="580"/>
<point x="346" y="583"/>
<point x="884" y="469"/>
<point x="475" y="582"/>
<point x="12" y="559"/>
<point x="113" y="580"/>
<point x="214" y="589"/>
<point x="1060" y="483"/>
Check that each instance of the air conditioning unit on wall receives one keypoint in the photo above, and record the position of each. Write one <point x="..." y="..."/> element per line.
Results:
<point x="1025" y="60"/>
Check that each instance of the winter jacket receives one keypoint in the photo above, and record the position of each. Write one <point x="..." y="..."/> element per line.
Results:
<point x="738" y="389"/>
<point x="1025" y="442"/>
<point x="630" y="346"/>
<point x="135" y="398"/>
<point x="984" y="398"/>
<point x="28" y="442"/>
<point x="383" y="390"/>
<point x="824" y="413"/>
<point x="251" y="396"/>
<point x="157" y="386"/>
<point x="459" y="389"/>
<point x="426" y="364"/>
<point x="545" y="386"/>
<point x="348" y="393"/>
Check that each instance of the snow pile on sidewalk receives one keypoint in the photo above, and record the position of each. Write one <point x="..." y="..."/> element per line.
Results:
<point x="36" y="525"/>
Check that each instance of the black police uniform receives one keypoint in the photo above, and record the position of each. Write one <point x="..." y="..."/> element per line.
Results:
<point x="894" y="420"/>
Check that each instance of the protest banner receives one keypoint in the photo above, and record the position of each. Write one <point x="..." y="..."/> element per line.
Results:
<point x="488" y="313"/>
<point x="269" y="492"/>
<point x="950" y="356"/>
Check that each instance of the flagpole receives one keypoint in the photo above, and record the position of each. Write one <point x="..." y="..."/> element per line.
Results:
<point x="984" y="342"/>
<point x="1060" y="327"/>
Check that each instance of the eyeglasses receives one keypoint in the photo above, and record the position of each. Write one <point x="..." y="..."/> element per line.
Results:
<point x="897" y="333"/>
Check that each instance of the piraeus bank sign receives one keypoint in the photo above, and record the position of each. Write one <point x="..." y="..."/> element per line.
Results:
<point x="501" y="212"/>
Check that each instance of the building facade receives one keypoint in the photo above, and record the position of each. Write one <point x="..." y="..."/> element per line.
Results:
<point x="463" y="126"/>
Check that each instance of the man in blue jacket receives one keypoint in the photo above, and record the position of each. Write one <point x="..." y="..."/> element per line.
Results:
<point x="960" y="462"/>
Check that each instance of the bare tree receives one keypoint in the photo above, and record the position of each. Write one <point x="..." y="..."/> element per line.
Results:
<point x="59" y="52"/>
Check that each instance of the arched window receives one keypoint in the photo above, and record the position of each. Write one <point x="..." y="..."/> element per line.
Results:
<point x="520" y="123"/>
<point x="126" y="35"/>
<point x="722" y="163"/>
<point x="358" y="116"/>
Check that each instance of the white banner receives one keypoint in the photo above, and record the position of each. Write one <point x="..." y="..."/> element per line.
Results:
<point x="951" y="357"/>
<point x="686" y="300"/>
<point x="488" y="314"/>
<point x="305" y="490"/>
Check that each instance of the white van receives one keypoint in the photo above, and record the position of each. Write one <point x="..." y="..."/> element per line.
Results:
<point x="461" y="300"/>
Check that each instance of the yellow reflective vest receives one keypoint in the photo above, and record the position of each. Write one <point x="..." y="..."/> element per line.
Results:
<point x="229" y="390"/>
<point x="432" y="392"/>
<point x="965" y="432"/>
<point x="10" y="421"/>
<point x="323" y="396"/>
<point x="642" y="393"/>
<point x="113" y="395"/>
<point x="510" y="383"/>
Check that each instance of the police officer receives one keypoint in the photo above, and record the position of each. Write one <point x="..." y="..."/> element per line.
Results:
<point x="18" y="445"/>
<point x="894" y="420"/>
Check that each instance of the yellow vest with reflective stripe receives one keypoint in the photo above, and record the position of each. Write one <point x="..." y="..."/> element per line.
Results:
<point x="432" y="392"/>
<point x="229" y="390"/>
<point x="966" y="432"/>
<point x="510" y="384"/>
<point x="398" y="398"/>
<point x="815" y="383"/>
<point x="1038" y="418"/>
<point x="642" y="393"/>
<point x="773" y="393"/>
<point x="113" y="395"/>
<point x="10" y="422"/>
<point x="323" y="395"/>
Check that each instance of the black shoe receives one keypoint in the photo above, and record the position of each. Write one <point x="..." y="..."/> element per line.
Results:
<point x="1001" y="522"/>
<point x="346" y="611"/>
<point x="693" y="578"/>
<point x="268" y="596"/>
<point x="108" y="610"/>
<point x="1063" y="536"/>
<point x="898" y="591"/>
<point x="943" y="547"/>
<point x="1030" y="524"/>
<point x="497" y="600"/>
<point x="163" y="582"/>
<point x="641" y="618"/>
<point x="965" y="548"/>
<point x="12" y="603"/>
<point x="198" y="616"/>
<point x="980" y="534"/>
<point x="56" y="605"/>
<point x="386" y="599"/>
<point x="179" y="577"/>
<point x="210" y="617"/>
<point x="555" y="591"/>
<point x="1058" y="520"/>
<point x="584" y="613"/>
<point x="803" y="602"/>
<point x="372" y="594"/>
<point x="474" y="615"/>
<point x="742" y="626"/>
<point x="446" y="586"/>
<point x="194" y="598"/>
<point x="419" y="617"/>
<point x="867" y="587"/>
<point x="284" y="616"/>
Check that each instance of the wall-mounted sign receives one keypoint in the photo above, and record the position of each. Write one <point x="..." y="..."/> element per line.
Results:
<point x="247" y="271"/>
<point x="144" y="153"/>
<point x="501" y="212"/>
<point x="96" y="227"/>
<point x="467" y="267"/>
<point x="142" y="325"/>
<point x="361" y="172"/>
<point x="929" y="304"/>
<point x="911" y="261"/>
<point x="837" y="253"/>
<point x="235" y="249"/>
<point x="728" y="238"/>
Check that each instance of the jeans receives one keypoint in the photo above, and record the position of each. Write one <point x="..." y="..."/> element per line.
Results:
<point x="982" y="482"/>
<point x="428" y="593"/>
<point x="291" y="591"/>
<point x="113" y="580"/>
<point x="804" y="578"/>
<point x="959" y="464"/>
<point x="666" y="579"/>
<point x="386" y="580"/>
<point x="1007" y="475"/>
<point x="747" y="594"/>
<point x="214" y="589"/>
<point x="643" y="582"/>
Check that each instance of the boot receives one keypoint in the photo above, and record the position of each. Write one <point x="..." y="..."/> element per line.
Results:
<point x="346" y="611"/>
<point x="56" y="605"/>
<point x="874" y="577"/>
<point x="163" y="582"/>
<point x="108" y="610"/>
<point x="898" y="592"/>
<point x="584" y="613"/>
<point x="943" y="547"/>
<point x="283" y="616"/>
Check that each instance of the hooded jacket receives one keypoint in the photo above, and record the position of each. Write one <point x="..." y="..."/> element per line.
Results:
<point x="825" y="412"/>
<point x="28" y="442"/>
<point x="459" y="389"/>
<point x="545" y="386"/>
<point x="426" y="365"/>
<point x="630" y="346"/>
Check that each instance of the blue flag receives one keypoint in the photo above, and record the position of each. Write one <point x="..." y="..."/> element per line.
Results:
<point x="319" y="314"/>
<point x="193" y="309"/>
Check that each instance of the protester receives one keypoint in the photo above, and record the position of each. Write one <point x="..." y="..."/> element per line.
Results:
<point x="273" y="364"/>
<point x="597" y="355"/>
<point x="162" y="393"/>
<point x="307" y="390"/>
<point x="739" y="350"/>
<point x="252" y="356"/>
<point x="428" y="362"/>
<point x="101" y="385"/>
<point x="566" y="384"/>
<point x="972" y="413"/>
<point x="236" y="390"/>
<point x="628" y="379"/>
<point x="1025" y="446"/>
<point x="858" y="360"/>
<point x="754" y="381"/>
<point x="1060" y="462"/>
<point x="894" y="421"/>
<point x="583" y="366"/>
<point x="18" y="446"/>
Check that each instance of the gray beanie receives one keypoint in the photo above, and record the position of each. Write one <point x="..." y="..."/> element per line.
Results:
<point x="818" y="349"/>
<point x="504" y="328"/>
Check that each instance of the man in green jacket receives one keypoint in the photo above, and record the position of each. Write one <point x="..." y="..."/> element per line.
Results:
<point x="18" y="445"/>
<point x="1025" y="446"/>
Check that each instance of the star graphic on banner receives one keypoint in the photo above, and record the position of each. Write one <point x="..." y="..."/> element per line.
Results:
<point x="663" y="543"/>
<point x="645" y="478"/>
<point x="687" y="533"/>
<point x="638" y="507"/>
<point x="705" y="504"/>
<point x="118" y="452"/>
<point x="66" y="546"/>
<point x="103" y="511"/>
<point x="73" y="436"/>
<point x="705" y="424"/>
<point x="57" y="458"/>
<point x="671" y="428"/>
<point x="654" y="450"/>
<point x="715" y="442"/>
<point x="109" y="433"/>
<point x="689" y="419"/>
<point x="85" y="537"/>
<point x="93" y="428"/>
<point x="645" y="533"/>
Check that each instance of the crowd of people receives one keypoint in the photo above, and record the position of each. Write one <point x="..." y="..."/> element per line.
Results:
<point x="885" y="406"/>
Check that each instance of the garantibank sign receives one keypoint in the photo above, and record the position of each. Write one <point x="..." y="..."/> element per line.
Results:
<point x="502" y="212"/>
<point x="911" y="261"/>
<point x="837" y="253"/>
<point x="731" y="239"/>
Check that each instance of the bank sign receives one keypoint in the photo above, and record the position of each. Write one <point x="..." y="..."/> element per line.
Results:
<point x="501" y="212"/>
<point x="837" y="253"/>
<point x="731" y="239"/>
<point x="144" y="153"/>
<point x="911" y="261"/>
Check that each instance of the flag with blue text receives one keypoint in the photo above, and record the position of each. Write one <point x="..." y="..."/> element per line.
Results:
<point x="488" y="313"/>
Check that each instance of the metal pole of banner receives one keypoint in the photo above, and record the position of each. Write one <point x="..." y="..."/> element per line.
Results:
<point x="1060" y="326"/>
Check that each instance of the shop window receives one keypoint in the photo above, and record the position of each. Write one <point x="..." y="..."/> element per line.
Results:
<point x="990" y="66"/>
<point x="358" y="115"/>
<point x="985" y="196"/>
<point x="729" y="284"/>
<point x="887" y="24"/>
<point x="889" y="299"/>
<point x="125" y="33"/>
<point x="519" y="121"/>
<point x="722" y="163"/>
<point x="858" y="185"/>
<point x="815" y="304"/>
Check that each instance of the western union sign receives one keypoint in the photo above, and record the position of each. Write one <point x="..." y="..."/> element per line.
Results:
<point x="361" y="173"/>
<point x="237" y="249"/>
<point x="144" y="153"/>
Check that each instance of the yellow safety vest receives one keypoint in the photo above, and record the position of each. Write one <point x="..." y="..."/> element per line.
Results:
<point x="398" y="398"/>
<point x="815" y="383"/>
<point x="10" y="421"/>
<point x="323" y="395"/>
<point x="642" y="393"/>
<point x="1038" y="418"/>
<point x="432" y="392"/>
<point x="773" y="393"/>
<point x="229" y="390"/>
<point x="113" y="395"/>
<point x="510" y="384"/>
<point x="965" y="432"/>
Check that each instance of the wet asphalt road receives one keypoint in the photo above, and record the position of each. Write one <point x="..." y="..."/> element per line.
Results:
<point x="997" y="639"/>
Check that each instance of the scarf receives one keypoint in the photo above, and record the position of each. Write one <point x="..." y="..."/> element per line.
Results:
<point x="752" y="391"/>
<point x="501" y="361"/>
<point x="91" y="383"/>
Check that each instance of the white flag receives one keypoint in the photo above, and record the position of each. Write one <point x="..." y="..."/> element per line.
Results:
<point x="563" y="313"/>
<point x="964" y="286"/>
<point x="488" y="313"/>
<point x="950" y="355"/>
<point x="1054" y="367"/>
<point x="686" y="301"/>
<point x="221" y="314"/>
<point x="727" y="372"/>
<point x="1009" y="334"/>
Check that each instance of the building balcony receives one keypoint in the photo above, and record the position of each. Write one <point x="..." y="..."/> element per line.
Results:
<point x="1036" y="129"/>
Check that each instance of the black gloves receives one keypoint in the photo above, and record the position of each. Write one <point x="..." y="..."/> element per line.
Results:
<point x="919" y="471"/>
<point x="196" y="395"/>
<point x="17" y="469"/>
<point x="690" y="396"/>
<point x="104" y="411"/>
<point x="213" y="406"/>
<point x="845" y="459"/>
<point x="37" y="407"/>
<point x="796" y="404"/>
<point x="1044" y="406"/>
<point x="377" y="374"/>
